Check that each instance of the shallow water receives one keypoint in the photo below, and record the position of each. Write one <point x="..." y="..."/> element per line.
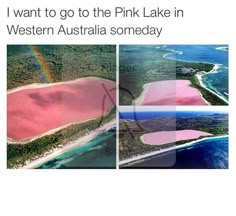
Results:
<point x="216" y="54"/>
<point x="98" y="153"/>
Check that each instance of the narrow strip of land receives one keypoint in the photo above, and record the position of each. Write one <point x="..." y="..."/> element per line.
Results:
<point x="70" y="146"/>
<point x="139" y="157"/>
<point x="199" y="76"/>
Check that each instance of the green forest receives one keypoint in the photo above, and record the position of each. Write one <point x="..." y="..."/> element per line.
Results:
<point x="65" y="63"/>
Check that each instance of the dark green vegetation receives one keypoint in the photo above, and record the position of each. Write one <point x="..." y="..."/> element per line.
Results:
<point x="130" y="131"/>
<point x="64" y="62"/>
<point x="18" y="155"/>
<point x="143" y="64"/>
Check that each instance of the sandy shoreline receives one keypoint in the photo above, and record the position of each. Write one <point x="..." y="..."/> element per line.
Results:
<point x="44" y="85"/>
<point x="199" y="76"/>
<point x="138" y="101"/>
<point x="207" y="102"/>
<point x="136" y="158"/>
<point x="71" y="145"/>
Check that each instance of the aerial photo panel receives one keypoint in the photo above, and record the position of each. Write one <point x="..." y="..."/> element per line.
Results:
<point x="61" y="106"/>
<point x="173" y="75"/>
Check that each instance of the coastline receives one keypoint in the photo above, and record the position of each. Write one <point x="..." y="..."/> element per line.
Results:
<point x="136" y="158"/>
<point x="180" y="53"/>
<point x="70" y="146"/>
<point x="199" y="76"/>
<point x="139" y="100"/>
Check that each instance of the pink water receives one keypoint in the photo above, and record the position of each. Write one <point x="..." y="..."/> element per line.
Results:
<point x="172" y="92"/>
<point x="163" y="137"/>
<point x="35" y="111"/>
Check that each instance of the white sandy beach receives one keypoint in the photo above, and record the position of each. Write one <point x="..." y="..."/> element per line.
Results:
<point x="71" y="145"/>
<point x="199" y="76"/>
<point x="139" y="157"/>
<point x="203" y="73"/>
<point x="138" y="101"/>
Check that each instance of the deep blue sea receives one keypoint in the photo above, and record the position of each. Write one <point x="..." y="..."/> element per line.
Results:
<point x="207" y="154"/>
<point x="211" y="153"/>
<point x="133" y="115"/>
<point x="98" y="153"/>
<point x="216" y="54"/>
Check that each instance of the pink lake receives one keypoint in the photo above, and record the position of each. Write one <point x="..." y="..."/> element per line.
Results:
<point x="171" y="92"/>
<point x="34" y="111"/>
<point x="164" y="137"/>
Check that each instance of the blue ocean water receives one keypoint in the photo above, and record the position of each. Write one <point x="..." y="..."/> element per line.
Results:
<point x="207" y="154"/>
<point x="155" y="114"/>
<point x="216" y="54"/>
<point x="98" y="153"/>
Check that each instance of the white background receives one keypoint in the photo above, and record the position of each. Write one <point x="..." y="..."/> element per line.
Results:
<point x="124" y="192"/>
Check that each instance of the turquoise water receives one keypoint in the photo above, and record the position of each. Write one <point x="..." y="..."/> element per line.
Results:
<point x="215" y="54"/>
<point x="98" y="153"/>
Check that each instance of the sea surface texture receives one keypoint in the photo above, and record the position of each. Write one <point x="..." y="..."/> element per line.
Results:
<point x="98" y="153"/>
<point x="217" y="79"/>
<point x="206" y="154"/>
